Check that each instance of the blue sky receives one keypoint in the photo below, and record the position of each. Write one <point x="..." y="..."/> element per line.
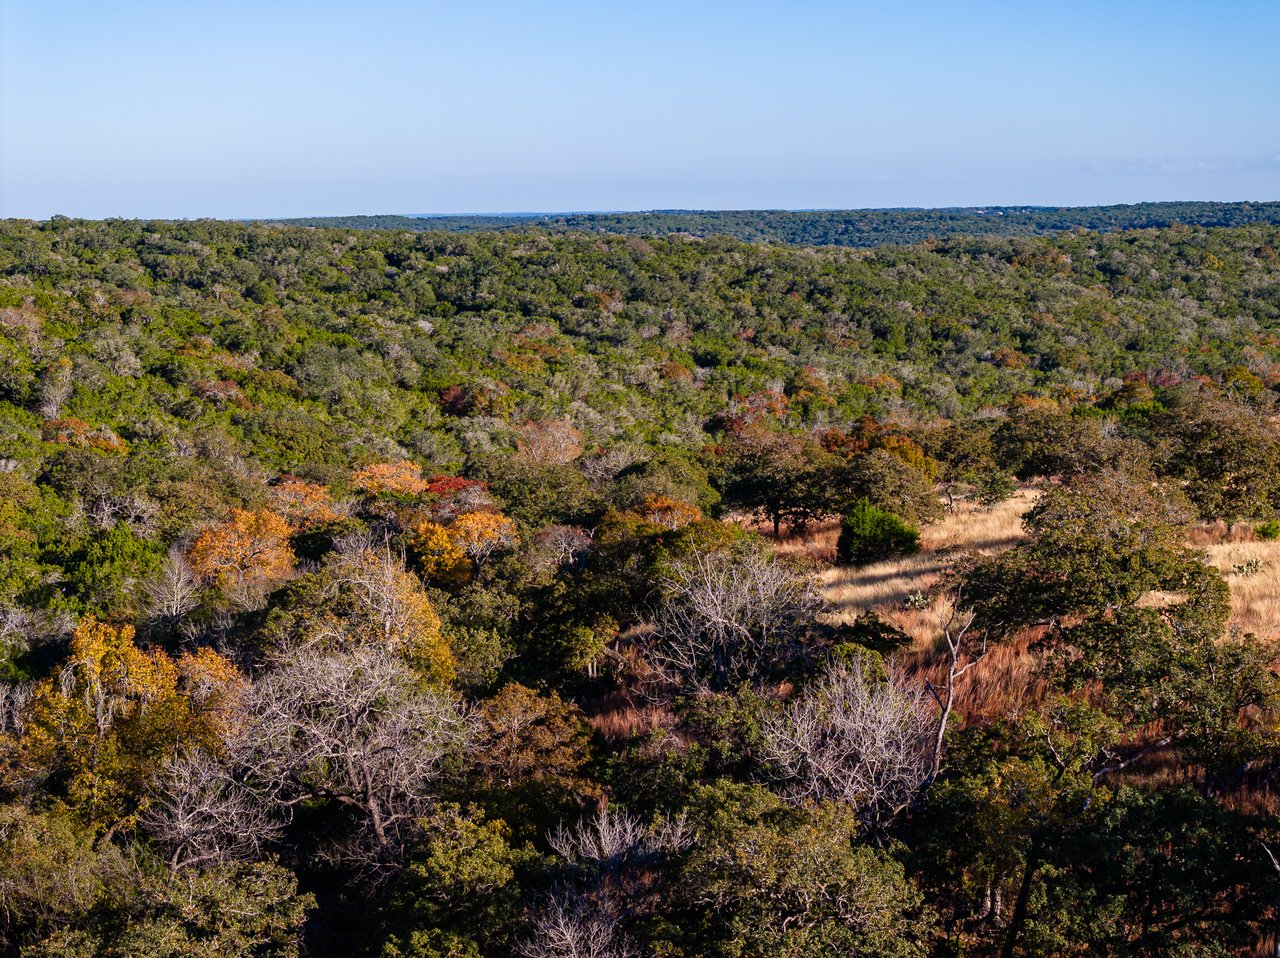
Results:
<point x="187" y="108"/>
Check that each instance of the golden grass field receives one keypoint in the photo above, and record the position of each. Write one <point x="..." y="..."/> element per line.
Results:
<point x="898" y="590"/>
<point x="1007" y="677"/>
<point x="884" y="587"/>
<point x="1255" y="596"/>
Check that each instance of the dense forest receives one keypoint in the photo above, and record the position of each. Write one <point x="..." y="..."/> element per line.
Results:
<point x="837" y="227"/>
<point x="466" y="595"/>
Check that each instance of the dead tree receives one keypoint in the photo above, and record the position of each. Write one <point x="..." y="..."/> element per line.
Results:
<point x="729" y="616"/>
<point x="855" y="740"/>
<point x="963" y="645"/>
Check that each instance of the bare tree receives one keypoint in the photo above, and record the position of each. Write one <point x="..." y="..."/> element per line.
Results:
<point x="855" y="740"/>
<point x="728" y="617"/>
<point x="17" y="627"/>
<point x="13" y="702"/>
<point x="612" y="838"/>
<point x="569" y="924"/>
<point x="204" y="814"/>
<point x="560" y="545"/>
<point x="56" y="388"/>
<point x="355" y="728"/>
<point x="174" y="591"/>
<point x="107" y="507"/>
<point x="957" y="628"/>
<point x="601" y="470"/>
<point x="387" y="596"/>
<point x="549" y="442"/>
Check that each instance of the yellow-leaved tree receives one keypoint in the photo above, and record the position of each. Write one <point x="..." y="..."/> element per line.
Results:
<point x="439" y="557"/>
<point x="480" y="534"/>
<point x="382" y="603"/>
<point x="113" y="715"/>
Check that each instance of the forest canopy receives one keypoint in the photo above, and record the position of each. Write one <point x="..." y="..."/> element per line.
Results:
<point x="837" y="227"/>
<point x="398" y="593"/>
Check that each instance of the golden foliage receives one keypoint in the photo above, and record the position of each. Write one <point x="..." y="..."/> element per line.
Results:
<point x="250" y="548"/>
<point x="668" y="512"/>
<point x="113" y="715"/>
<point x="480" y="534"/>
<point x="439" y="557"/>
<point x="388" y="606"/>
<point x="402" y="478"/>
<point x="908" y="451"/>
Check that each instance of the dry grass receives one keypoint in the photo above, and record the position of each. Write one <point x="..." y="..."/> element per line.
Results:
<point x="623" y="721"/>
<point x="884" y="587"/>
<point x="896" y="590"/>
<point x="1255" y="595"/>
<point x="1006" y="679"/>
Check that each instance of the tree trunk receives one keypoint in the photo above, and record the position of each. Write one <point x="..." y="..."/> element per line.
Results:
<point x="1019" y="917"/>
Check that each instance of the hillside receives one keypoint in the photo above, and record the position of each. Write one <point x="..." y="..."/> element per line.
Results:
<point x="305" y="341"/>
<point x="536" y="594"/>
<point x="858" y="228"/>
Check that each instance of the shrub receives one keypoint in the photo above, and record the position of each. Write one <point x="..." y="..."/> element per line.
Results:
<point x="1269" y="531"/>
<point x="991" y="488"/>
<point x="868" y="534"/>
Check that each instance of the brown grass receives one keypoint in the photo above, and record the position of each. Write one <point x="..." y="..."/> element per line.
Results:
<point x="884" y="587"/>
<point x="1255" y="596"/>
<point x="1005" y="678"/>
<point x="622" y="721"/>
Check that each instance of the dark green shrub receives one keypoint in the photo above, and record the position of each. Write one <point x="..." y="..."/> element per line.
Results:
<point x="1269" y="531"/>
<point x="992" y="488"/>
<point x="868" y="534"/>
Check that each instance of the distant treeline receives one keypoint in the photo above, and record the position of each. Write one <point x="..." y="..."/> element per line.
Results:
<point x="837" y="227"/>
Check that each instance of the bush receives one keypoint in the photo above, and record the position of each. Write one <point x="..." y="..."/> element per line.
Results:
<point x="1269" y="531"/>
<point x="868" y="534"/>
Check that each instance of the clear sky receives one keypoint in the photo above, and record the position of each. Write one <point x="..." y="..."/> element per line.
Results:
<point x="185" y="108"/>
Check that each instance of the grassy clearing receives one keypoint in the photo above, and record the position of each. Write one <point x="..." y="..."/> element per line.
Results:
<point x="885" y="587"/>
<point x="897" y="590"/>
<point x="1253" y="573"/>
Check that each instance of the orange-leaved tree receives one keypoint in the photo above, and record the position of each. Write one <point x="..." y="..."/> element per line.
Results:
<point x="302" y="503"/>
<point x="402" y="478"/>
<point x="250" y="549"/>
<point x="668" y="512"/>
<point x="112" y="716"/>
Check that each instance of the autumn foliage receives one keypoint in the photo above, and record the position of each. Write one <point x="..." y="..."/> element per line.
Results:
<point x="439" y="557"/>
<point x="302" y="503"/>
<point x="668" y="512"/>
<point x="107" y="721"/>
<point x="480" y="534"/>
<point x="385" y="605"/>
<point x="249" y="549"/>
<point x="391" y="478"/>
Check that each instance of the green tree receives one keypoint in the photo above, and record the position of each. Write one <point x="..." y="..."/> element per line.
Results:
<point x="868" y="534"/>
<point x="768" y="880"/>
